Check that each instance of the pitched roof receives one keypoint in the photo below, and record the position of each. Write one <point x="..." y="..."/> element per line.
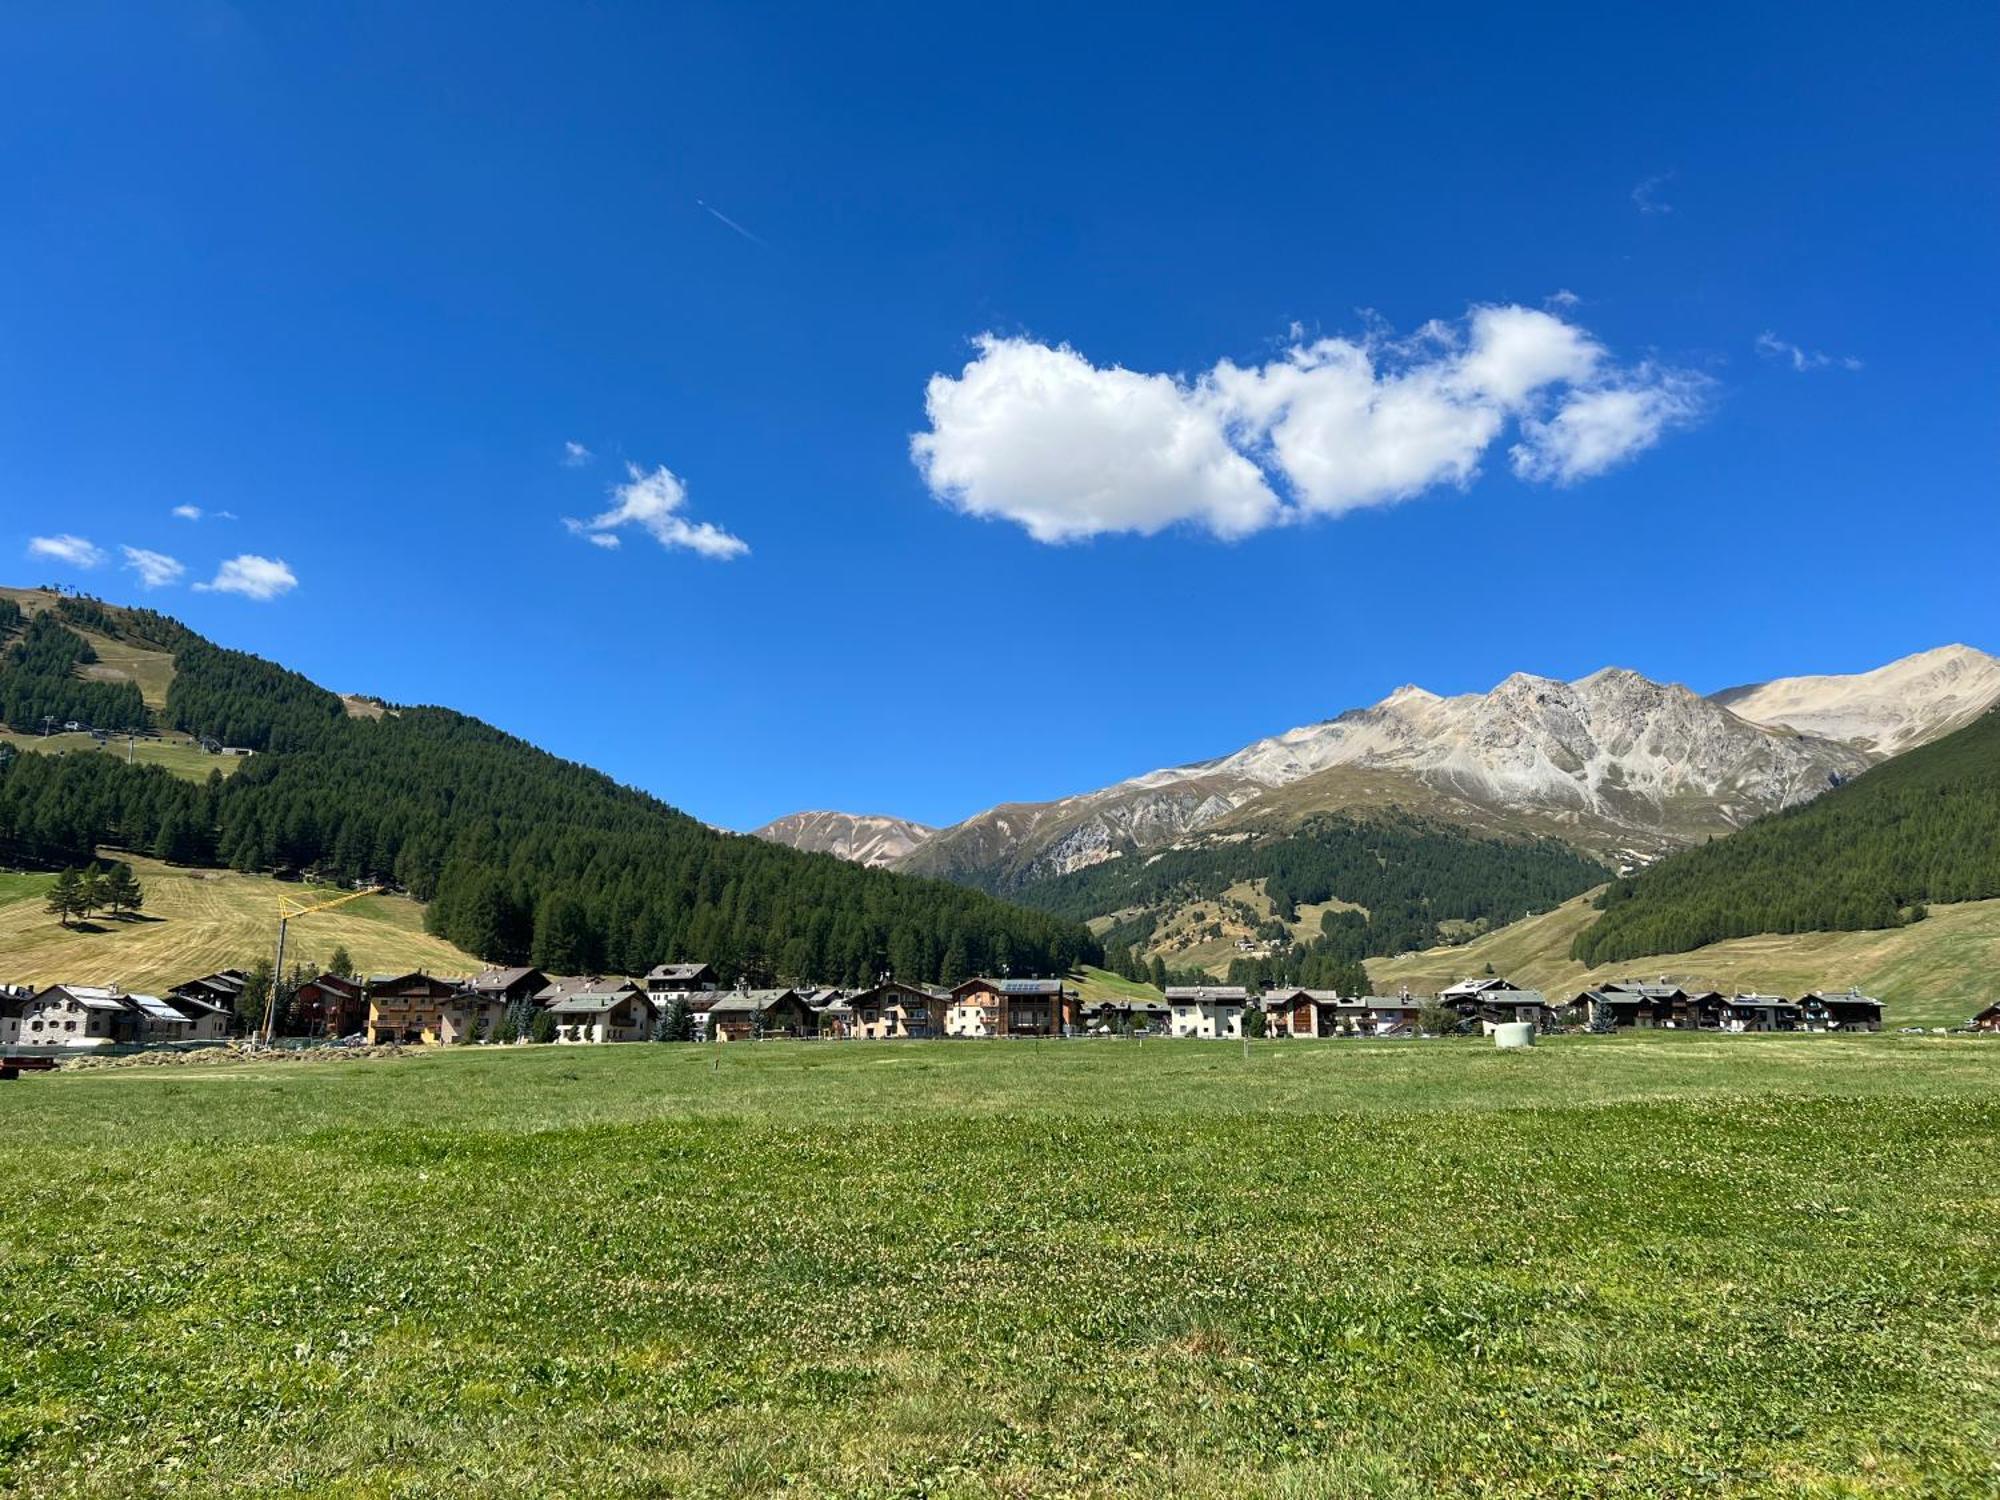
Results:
<point x="1204" y="993"/>
<point x="1475" y="987"/>
<point x="155" y="1009"/>
<point x="669" y="972"/>
<point x="89" y="996"/>
<point x="560" y="985"/>
<point x="340" y="982"/>
<point x="501" y="979"/>
<point x="748" y="1002"/>
<point x="1012" y="986"/>
<point x="592" y="1002"/>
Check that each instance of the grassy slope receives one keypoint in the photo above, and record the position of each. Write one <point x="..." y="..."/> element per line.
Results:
<point x="151" y="670"/>
<point x="177" y="753"/>
<point x="1101" y="984"/>
<point x="1936" y="973"/>
<point x="1667" y="1266"/>
<point x="196" y="921"/>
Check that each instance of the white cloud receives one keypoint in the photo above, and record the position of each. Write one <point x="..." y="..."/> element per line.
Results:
<point x="654" y="502"/>
<point x="1595" y="430"/>
<point x="1041" y="437"/>
<point x="155" y="569"/>
<point x="195" y="513"/>
<point x="254" y="577"/>
<point x="1772" y="347"/>
<point x="575" y="455"/>
<point x="74" y="550"/>
<point x="1646" y="196"/>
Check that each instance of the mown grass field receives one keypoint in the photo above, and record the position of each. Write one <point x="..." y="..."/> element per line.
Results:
<point x="177" y="754"/>
<point x="1650" y="1266"/>
<point x="1937" y="972"/>
<point x="197" y="921"/>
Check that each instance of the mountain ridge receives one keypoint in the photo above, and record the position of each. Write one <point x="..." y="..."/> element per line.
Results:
<point x="1617" y="764"/>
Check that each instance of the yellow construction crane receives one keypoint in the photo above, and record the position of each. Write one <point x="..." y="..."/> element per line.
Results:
<point x="287" y="910"/>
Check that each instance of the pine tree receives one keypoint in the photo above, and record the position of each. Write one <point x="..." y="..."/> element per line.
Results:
<point x="340" y="963"/>
<point x="65" y="898"/>
<point x="122" y="891"/>
<point x="90" y="891"/>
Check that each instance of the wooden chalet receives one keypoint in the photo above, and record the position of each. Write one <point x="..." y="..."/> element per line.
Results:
<point x="1495" y="1002"/>
<point x="1663" y="1005"/>
<point x="507" y="986"/>
<point x="1843" y="1010"/>
<point x="210" y="995"/>
<point x="672" y="981"/>
<point x="1012" y="1007"/>
<point x="1987" y="1019"/>
<point x="1758" y="1013"/>
<point x="412" y="1008"/>
<point x="1302" y="1012"/>
<point x="744" y="1015"/>
<point x="893" y="1010"/>
<point x="329" y="1005"/>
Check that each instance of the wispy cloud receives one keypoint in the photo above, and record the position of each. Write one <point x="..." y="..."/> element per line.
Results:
<point x="1066" y="449"/>
<point x="77" y="551"/>
<point x="254" y="577"/>
<point x="654" y="501"/>
<point x="196" y="513"/>
<point x="1772" y="347"/>
<point x="724" y="218"/>
<point x="156" y="570"/>
<point x="1646" y="196"/>
<point x="575" y="455"/>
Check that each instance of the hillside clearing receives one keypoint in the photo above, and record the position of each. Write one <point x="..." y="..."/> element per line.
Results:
<point x="176" y="753"/>
<point x="1087" y="1268"/>
<point x="197" y="921"/>
<point x="1936" y="972"/>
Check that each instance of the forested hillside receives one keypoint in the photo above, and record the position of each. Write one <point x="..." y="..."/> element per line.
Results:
<point x="523" y="856"/>
<point x="1409" y="874"/>
<point x="42" y="677"/>
<point x="1923" y="827"/>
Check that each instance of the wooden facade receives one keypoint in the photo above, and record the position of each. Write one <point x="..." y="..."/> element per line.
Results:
<point x="1012" y="1007"/>
<point x="329" y="1005"/>
<point x="411" y="1008"/>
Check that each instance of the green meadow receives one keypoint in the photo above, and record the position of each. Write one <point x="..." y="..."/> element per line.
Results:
<point x="1647" y="1266"/>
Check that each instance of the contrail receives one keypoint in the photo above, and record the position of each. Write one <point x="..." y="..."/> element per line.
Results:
<point x="753" y="239"/>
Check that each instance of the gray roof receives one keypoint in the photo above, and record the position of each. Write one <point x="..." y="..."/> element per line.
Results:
<point x="676" y="971"/>
<point x="1219" y="994"/>
<point x="591" y="1002"/>
<point x="155" y="1009"/>
<point x="500" y="979"/>
<point x="747" y="1002"/>
<point x="88" y="996"/>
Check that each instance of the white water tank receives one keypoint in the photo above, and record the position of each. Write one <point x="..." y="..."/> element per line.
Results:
<point x="1514" y="1034"/>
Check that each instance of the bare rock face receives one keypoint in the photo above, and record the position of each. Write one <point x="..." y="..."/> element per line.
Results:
<point x="1885" y="712"/>
<point x="863" y="838"/>
<point x="1614" y="763"/>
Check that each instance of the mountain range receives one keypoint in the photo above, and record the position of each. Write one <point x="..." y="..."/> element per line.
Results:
<point x="1614" y="764"/>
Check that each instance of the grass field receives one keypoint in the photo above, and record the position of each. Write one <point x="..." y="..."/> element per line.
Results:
<point x="1655" y="1266"/>
<point x="1935" y="973"/>
<point x="178" y="754"/>
<point x="197" y="921"/>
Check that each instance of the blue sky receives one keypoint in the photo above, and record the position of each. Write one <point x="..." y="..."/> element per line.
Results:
<point x="356" y="276"/>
